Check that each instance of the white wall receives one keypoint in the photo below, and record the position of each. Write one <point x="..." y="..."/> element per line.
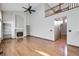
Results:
<point x="41" y="26"/>
<point x="0" y="29"/>
<point x="0" y="14"/>
<point x="0" y="25"/>
<point x="73" y="25"/>
<point x="28" y="18"/>
<point x="9" y="17"/>
<point x="19" y="21"/>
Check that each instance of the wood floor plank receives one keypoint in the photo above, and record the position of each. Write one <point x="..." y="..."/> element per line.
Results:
<point x="31" y="46"/>
<point x="73" y="50"/>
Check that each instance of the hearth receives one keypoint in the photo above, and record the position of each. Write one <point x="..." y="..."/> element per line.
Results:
<point x="19" y="34"/>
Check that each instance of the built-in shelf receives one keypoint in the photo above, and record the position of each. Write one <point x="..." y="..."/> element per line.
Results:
<point x="7" y="30"/>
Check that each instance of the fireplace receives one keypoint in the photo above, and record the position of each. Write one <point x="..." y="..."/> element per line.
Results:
<point x="19" y="34"/>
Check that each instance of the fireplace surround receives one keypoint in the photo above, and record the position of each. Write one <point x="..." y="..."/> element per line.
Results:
<point x="19" y="34"/>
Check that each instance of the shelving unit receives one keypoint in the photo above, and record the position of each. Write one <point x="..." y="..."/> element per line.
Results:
<point x="6" y="30"/>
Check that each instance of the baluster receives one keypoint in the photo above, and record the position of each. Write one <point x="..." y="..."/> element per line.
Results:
<point x="69" y="5"/>
<point x="72" y="5"/>
<point x="77" y="4"/>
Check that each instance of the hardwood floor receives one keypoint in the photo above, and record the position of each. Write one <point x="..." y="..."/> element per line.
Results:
<point x="31" y="46"/>
<point x="73" y="51"/>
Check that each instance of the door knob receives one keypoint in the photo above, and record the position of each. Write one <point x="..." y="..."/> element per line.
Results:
<point x="51" y="30"/>
<point x="69" y="30"/>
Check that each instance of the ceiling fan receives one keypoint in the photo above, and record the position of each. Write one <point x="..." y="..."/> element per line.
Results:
<point x="29" y="9"/>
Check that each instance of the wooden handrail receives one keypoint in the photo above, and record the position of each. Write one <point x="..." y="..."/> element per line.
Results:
<point x="69" y="7"/>
<point x="55" y="7"/>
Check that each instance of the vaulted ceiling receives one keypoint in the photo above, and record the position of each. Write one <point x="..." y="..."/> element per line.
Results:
<point x="50" y="5"/>
<point x="16" y="6"/>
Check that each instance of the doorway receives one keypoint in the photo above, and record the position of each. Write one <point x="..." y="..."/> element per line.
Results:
<point x="60" y="27"/>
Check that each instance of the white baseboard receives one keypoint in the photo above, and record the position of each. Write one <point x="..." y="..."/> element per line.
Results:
<point x="42" y="37"/>
<point x="73" y="44"/>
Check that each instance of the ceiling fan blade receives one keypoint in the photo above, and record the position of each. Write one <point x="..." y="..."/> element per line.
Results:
<point x="24" y="7"/>
<point x="30" y="7"/>
<point x="33" y="10"/>
<point x="30" y="12"/>
<point x="25" y="10"/>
